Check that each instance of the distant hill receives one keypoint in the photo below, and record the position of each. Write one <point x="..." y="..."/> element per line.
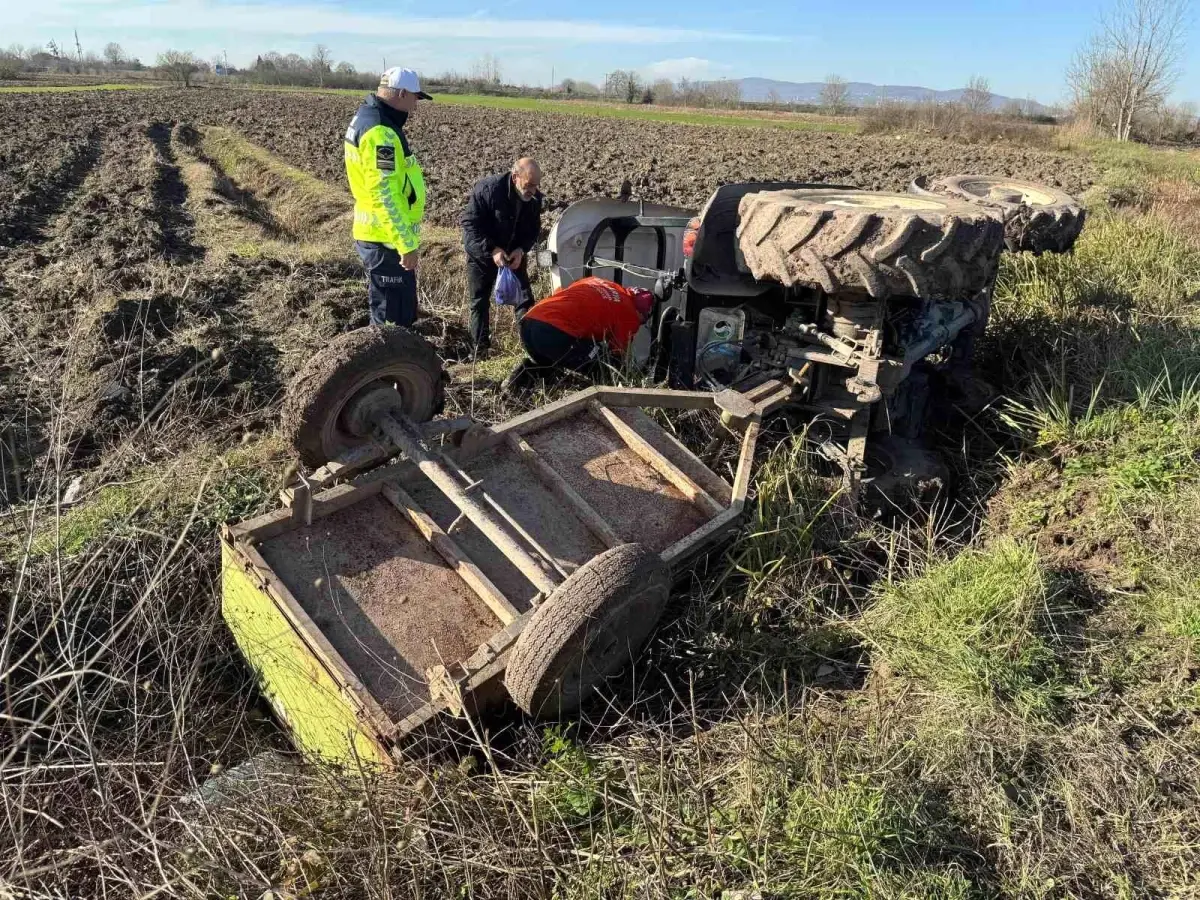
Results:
<point x="757" y="90"/>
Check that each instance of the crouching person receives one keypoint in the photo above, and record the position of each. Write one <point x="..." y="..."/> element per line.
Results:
<point x="577" y="325"/>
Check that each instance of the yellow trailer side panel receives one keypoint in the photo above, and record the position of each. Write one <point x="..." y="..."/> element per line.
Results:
<point x="305" y="696"/>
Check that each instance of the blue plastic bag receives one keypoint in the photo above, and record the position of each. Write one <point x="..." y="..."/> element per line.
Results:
<point x="508" y="288"/>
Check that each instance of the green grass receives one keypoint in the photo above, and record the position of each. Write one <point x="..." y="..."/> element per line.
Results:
<point x="58" y="89"/>
<point x="637" y="112"/>
<point x="232" y="485"/>
<point x="642" y="113"/>
<point x="971" y="630"/>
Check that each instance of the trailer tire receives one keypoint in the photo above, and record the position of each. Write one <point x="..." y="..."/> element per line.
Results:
<point x="1038" y="218"/>
<point x="589" y="629"/>
<point x="935" y="248"/>
<point x="371" y="358"/>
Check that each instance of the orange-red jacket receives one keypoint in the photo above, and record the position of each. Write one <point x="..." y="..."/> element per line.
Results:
<point x="592" y="308"/>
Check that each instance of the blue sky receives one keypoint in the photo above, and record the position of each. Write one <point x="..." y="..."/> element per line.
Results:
<point x="1022" y="46"/>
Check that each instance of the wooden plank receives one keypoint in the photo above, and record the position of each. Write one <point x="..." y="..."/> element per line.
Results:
<point x="663" y="398"/>
<point x="450" y="551"/>
<point x="324" y="504"/>
<point x="593" y="520"/>
<point x="681" y="455"/>
<point x="546" y="415"/>
<point x="741" y="480"/>
<point x="660" y="463"/>
<point x="351" y="462"/>
<point x="358" y="459"/>
<point x="448" y="478"/>
<point x="706" y="536"/>
<point x="316" y="640"/>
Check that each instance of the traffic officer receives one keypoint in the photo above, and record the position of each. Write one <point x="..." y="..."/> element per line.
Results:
<point x="389" y="196"/>
<point x="500" y="226"/>
<point x="576" y="325"/>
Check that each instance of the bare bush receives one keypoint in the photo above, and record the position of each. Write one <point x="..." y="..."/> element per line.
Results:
<point x="977" y="97"/>
<point x="954" y="122"/>
<point x="179" y="66"/>
<point x="835" y="94"/>
<point x="1130" y="66"/>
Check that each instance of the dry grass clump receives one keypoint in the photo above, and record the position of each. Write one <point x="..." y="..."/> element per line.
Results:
<point x="955" y="122"/>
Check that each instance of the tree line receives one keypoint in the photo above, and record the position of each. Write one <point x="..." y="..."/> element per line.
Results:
<point x="271" y="68"/>
<point x="17" y="60"/>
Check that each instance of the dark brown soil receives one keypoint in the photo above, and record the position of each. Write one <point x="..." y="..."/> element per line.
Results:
<point x="387" y="602"/>
<point x="640" y="505"/>
<point x="581" y="155"/>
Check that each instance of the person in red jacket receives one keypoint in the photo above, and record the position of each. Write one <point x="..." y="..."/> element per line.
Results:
<point x="576" y="324"/>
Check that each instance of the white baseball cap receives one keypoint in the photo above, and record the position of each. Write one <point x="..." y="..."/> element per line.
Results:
<point x="403" y="80"/>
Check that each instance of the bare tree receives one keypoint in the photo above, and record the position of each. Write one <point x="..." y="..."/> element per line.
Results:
<point x="178" y="66"/>
<point x="486" y="70"/>
<point x="723" y="92"/>
<point x="632" y="87"/>
<point x="320" y="62"/>
<point x="624" y="85"/>
<point x="114" y="54"/>
<point x="1131" y="64"/>
<point x="977" y="96"/>
<point x="663" y="91"/>
<point x="835" y="94"/>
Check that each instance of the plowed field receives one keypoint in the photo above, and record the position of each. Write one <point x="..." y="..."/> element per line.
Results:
<point x="131" y="249"/>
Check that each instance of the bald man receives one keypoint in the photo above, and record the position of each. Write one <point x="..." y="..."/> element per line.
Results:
<point x="500" y="226"/>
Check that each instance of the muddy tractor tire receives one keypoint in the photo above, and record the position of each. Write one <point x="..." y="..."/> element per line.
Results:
<point x="1037" y="218"/>
<point x="902" y="475"/>
<point x="589" y="629"/>
<point x="936" y="248"/>
<point x="328" y="404"/>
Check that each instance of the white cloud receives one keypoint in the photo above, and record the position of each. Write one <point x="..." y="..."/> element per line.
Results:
<point x="688" y="67"/>
<point x="311" y="20"/>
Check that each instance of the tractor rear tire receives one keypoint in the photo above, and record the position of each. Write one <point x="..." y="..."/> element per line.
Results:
<point x="400" y="367"/>
<point x="936" y="248"/>
<point x="1037" y="218"/>
<point x="588" y="630"/>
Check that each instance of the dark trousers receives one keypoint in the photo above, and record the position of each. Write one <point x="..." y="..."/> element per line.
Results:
<point x="391" y="288"/>
<point x="552" y="347"/>
<point x="481" y="280"/>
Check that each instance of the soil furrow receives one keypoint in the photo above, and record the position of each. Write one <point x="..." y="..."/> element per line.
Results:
<point x="35" y="197"/>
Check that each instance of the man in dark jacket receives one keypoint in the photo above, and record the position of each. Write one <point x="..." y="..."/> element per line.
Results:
<point x="500" y="226"/>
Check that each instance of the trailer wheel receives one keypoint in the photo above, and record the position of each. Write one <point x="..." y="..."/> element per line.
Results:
<point x="1037" y="218"/>
<point x="328" y="406"/>
<point x="936" y="248"/>
<point x="589" y="629"/>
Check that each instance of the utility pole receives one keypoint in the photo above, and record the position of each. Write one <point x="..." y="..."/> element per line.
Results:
<point x="78" y="48"/>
